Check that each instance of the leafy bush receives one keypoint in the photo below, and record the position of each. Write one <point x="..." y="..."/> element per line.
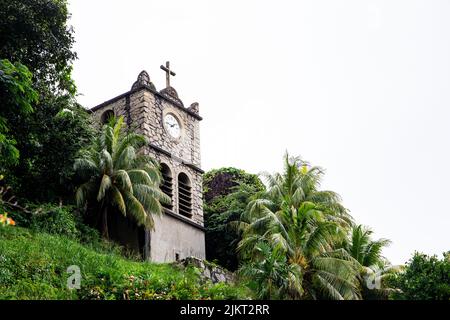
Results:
<point x="47" y="137"/>
<point x="17" y="95"/>
<point x="56" y="220"/>
<point x="34" y="267"/>
<point x="220" y="182"/>
<point x="424" y="278"/>
<point x="226" y="194"/>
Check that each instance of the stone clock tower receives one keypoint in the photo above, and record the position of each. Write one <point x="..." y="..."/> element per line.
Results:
<point x="174" y="140"/>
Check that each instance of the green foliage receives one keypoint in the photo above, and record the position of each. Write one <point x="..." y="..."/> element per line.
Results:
<point x="220" y="182"/>
<point x="374" y="268"/>
<point x="365" y="250"/>
<point x="271" y="276"/>
<point x="16" y="95"/>
<point x="16" y="86"/>
<point x="34" y="267"/>
<point x="55" y="220"/>
<point x="52" y="135"/>
<point x="306" y="224"/>
<point x="50" y="218"/>
<point x="423" y="278"/>
<point x="35" y="33"/>
<point x="115" y="176"/>
<point x="59" y="220"/>
<point x="226" y="192"/>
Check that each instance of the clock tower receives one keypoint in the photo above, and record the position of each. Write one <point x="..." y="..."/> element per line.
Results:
<point x="173" y="134"/>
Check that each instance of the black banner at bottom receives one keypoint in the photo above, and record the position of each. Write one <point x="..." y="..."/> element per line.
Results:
<point x="198" y="310"/>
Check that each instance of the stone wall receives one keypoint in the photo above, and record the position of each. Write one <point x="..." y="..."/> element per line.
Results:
<point x="209" y="271"/>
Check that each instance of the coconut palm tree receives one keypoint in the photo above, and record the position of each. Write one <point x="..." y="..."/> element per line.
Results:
<point x="116" y="175"/>
<point x="270" y="275"/>
<point x="305" y="224"/>
<point x="298" y="183"/>
<point x="374" y="268"/>
<point x="365" y="250"/>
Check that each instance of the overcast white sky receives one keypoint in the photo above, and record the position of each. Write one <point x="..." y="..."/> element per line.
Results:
<point x="360" y="88"/>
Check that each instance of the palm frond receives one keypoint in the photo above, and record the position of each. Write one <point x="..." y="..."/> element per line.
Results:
<point x="137" y="210"/>
<point x="140" y="176"/>
<point x="85" y="167"/>
<point x="106" y="164"/>
<point x="125" y="159"/>
<point x="150" y="197"/>
<point x="83" y="192"/>
<point x="130" y="139"/>
<point x="327" y="288"/>
<point x="122" y="180"/>
<point x="105" y="184"/>
<point x="118" y="200"/>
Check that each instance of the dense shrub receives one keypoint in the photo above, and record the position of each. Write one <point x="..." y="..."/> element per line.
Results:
<point x="221" y="182"/>
<point x="54" y="219"/>
<point x="226" y="194"/>
<point x="424" y="278"/>
<point x="17" y="96"/>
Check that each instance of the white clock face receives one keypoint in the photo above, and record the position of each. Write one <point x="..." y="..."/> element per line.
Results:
<point x="172" y="125"/>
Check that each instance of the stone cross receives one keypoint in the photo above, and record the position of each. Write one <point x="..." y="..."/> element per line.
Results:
<point x="168" y="73"/>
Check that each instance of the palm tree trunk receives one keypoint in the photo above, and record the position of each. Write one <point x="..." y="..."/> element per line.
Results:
<point x="105" y="233"/>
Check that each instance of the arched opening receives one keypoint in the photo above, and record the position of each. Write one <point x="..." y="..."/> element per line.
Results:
<point x="108" y="114"/>
<point x="184" y="195"/>
<point x="167" y="185"/>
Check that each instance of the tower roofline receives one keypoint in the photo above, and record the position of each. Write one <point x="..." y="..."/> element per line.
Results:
<point x="156" y="93"/>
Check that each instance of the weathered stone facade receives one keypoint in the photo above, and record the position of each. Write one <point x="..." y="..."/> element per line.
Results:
<point x="143" y="108"/>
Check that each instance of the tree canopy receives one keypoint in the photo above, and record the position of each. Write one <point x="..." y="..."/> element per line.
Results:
<point x="43" y="144"/>
<point x="17" y="96"/>
<point x="36" y="34"/>
<point x="423" y="278"/>
<point x="226" y="194"/>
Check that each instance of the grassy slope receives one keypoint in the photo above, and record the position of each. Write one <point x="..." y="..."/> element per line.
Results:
<point x="33" y="266"/>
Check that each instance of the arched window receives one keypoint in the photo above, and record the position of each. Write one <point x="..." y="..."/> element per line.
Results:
<point x="184" y="195"/>
<point x="108" y="114"/>
<point x="166" y="185"/>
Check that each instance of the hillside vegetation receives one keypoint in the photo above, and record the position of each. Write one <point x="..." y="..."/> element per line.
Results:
<point x="33" y="265"/>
